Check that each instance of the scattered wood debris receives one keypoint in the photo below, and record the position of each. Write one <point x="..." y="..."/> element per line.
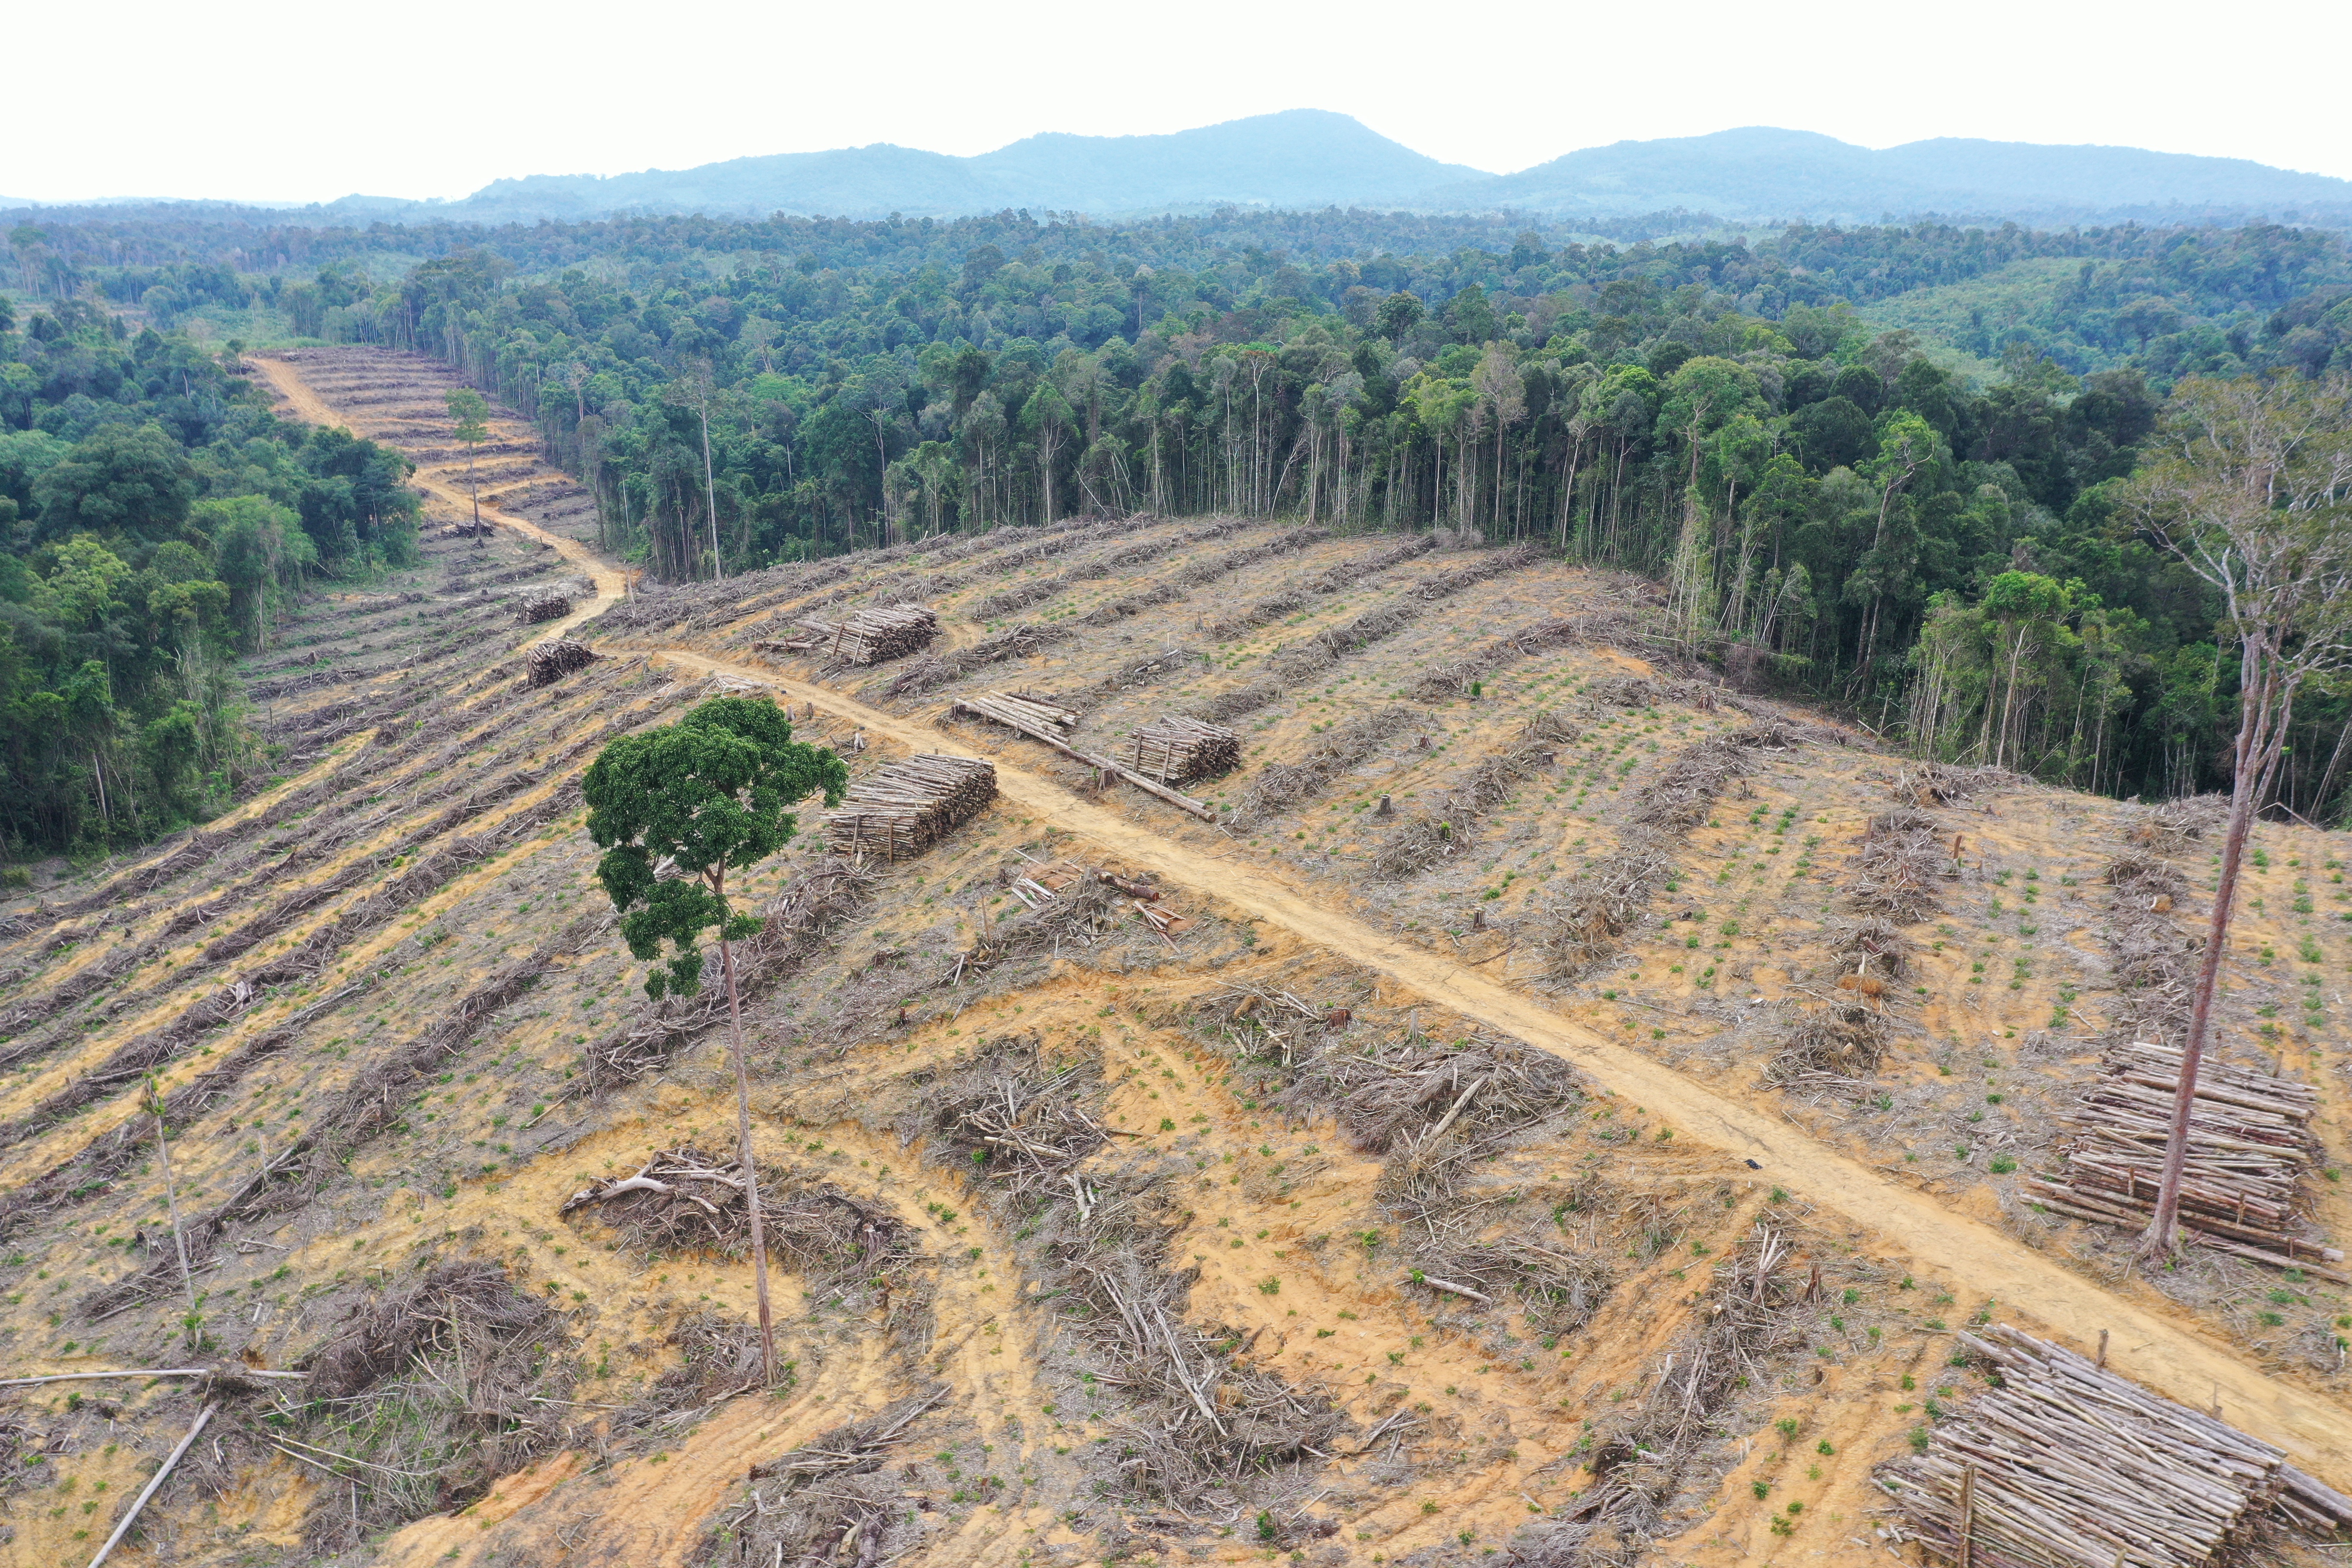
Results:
<point x="905" y="807"/>
<point x="2250" y="1143"/>
<point x="2067" y="1463"/>
<point x="1896" y="869"/>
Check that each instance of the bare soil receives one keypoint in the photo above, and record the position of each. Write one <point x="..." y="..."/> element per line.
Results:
<point x="1409" y="1322"/>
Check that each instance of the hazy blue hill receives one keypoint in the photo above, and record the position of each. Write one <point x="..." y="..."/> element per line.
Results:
<point x="1309" y="159"/>
<point x="1302" y="157"/>
<point x="1758" y="172"/>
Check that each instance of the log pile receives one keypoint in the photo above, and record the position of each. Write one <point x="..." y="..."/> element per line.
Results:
<point x="2250" y="1143"/>
<point x="1172" y="749"/>
<point x="2067" y="1463"/>
<point x="550" y="661"/>
<point x="1046" y="722"/>
<point x="542" y="604"/>
<point x="872" y="636"/>
<point x="904" y="808"/>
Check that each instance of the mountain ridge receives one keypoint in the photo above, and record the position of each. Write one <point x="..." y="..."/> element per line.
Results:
<point x="1307" y="158"/>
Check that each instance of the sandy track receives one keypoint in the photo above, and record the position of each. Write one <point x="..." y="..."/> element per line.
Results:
<point x="2158" y="1350"/>
<point x="287" y="377"/>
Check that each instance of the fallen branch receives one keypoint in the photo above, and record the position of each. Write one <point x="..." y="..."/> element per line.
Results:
<point x="155" y="1484"/>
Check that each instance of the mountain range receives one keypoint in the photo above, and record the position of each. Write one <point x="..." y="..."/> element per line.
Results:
<point x="1305" y="158"/>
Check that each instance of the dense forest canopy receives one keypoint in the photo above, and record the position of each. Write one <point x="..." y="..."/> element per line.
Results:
<point x="153" y="516"/>
<point x="1833" y="509"/>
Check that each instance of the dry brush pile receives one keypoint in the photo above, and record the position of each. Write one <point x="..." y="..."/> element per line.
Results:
<point x="1193" y="1412"/>
<point x="1613" y="895"/>
<point x="1451" y="823"/>
<point x="1672" y="1446"/>
<point x="445" y="1380"/>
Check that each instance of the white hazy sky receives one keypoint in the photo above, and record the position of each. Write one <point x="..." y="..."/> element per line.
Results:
<point x="281" y="102"/>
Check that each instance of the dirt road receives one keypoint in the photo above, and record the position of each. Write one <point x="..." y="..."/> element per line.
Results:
<point x="287" y="377"/>
<point x="2160" y="1350"/>
<point x="2164" y="1353"/>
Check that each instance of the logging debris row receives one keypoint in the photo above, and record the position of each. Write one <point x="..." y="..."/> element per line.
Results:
<point x="904" y="808"/>
<point x="2250" y="1143"/>
<point x="2065" y="1462"/>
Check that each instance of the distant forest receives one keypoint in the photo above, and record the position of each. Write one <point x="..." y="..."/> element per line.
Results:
<point x="1831" y="510"/>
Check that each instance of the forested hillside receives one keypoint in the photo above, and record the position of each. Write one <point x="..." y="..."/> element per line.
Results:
<point x="1716" y="413"/>
<point x="155" y="518"/>
<point x="1819" y="493"/>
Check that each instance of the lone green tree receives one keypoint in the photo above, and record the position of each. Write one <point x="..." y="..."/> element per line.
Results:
<point x="469" y="412"/>
<point x="674" y="810"/>
<point x="2250" y="485"/>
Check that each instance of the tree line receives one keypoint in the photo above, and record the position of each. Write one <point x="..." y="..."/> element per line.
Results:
<point x="155" y="518"/>
<point x="1830" y="509"/>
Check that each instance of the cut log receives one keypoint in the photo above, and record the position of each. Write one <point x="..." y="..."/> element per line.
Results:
<point x="1040" y="721"/>
<point x="872" y="636"/>
<point x="1174" y="749"/>
<point x="904" y="808"/>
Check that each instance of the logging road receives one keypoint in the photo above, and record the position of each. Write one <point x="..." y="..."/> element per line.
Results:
<point x="287" y="377"/>
<point x="2159" y="1349"/>
<point x="2163" y="1352"/>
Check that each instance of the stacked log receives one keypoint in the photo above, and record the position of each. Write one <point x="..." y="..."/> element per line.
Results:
<point x="2067" y="1463"/>
<point x="2250" y="1143"/>
<point x="1046" y="722"/>
<point x="1172" y="749"/>
<point x="542" y="604"/>
<point x="874" y="635"/>
<point x="550" y="661"/>
<point x="905" y="807"/>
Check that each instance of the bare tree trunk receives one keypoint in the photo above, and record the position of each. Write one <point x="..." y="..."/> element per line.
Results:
<point x="743" y="1156"/>
<point x="2260" y="726"/>
<point x="710" y="494"/>
<point x="171" y="1204"/>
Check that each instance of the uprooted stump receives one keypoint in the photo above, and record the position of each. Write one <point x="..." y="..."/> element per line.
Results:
<point x="432" y="1390"/>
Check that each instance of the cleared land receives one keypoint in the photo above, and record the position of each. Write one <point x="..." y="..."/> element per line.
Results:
<point x="1367" y="1215"/>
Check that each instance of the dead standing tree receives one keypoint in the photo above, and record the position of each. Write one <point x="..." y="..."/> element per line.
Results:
<point x="2252" y="491"/>
<point x="696" y="799"/>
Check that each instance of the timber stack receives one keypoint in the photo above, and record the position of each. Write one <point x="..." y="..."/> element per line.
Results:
<point x="1174" y="749"/>
<point x="1048" y="721"/>
<point x="542" y="604"/>
<point x="872" y="636"/>
<point x="550" y="661"/>
<point x="2068" y="1463"/>
<point x="2250" y="1144"/>
<point x="1030" y="715"/>
<point x="905" y="807"/>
